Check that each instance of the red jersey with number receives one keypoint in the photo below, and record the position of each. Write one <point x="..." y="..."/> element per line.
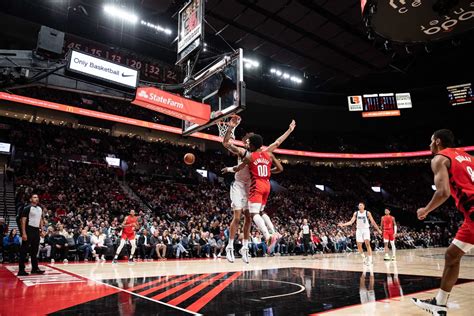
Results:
<point x="387" y="222"/>
<point x="461" y="178"/>
<point x="130" y="223"/>
<point x="260" y="171"/>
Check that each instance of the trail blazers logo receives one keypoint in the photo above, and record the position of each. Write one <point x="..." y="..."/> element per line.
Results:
<point x="355" y="103"/>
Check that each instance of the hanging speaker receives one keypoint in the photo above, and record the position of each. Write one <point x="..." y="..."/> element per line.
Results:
<point x="50" y="40"/>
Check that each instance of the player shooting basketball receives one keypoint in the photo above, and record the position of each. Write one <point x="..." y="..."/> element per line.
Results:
<point x="259" y="180"/>
<point x="240" y="188"/>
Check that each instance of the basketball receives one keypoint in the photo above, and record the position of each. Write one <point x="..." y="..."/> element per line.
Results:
<point x="189" y="158"/>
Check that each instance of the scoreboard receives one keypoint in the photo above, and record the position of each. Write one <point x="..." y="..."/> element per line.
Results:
<point x="150" y="69"/>
<point x="381" y="104"/>
<point x="460" y="94"/>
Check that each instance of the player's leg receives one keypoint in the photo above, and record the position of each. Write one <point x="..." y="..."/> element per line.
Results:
<point x="392" y="243"/>
<point x="360" y="241"/>
<point x="268" y="222"/>
<point x="385" y="246"/>
<point x="247" y="226"/>
<point x="369" y="249"/>
<point x="133" y="243"/>
<point x="462" y="243"/>
<point x="119" y="249"/>
<point x="254" y="209"/>
<point x="232" y="231"/>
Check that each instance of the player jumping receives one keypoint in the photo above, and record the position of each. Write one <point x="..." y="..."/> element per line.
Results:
<point x="363" y="230"/>
<point x="240" y="188"/>
<point x="130" y="224"/>
<point x="389" y="228"/>
<point x="259" y="163"/>
<point x="453" y="172"/>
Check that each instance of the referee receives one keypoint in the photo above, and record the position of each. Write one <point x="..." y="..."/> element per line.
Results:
<point x="31" y="223"/>
<point x="306" y="235"/>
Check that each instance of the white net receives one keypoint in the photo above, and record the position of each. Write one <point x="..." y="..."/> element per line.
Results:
<point x="230" y="122"/>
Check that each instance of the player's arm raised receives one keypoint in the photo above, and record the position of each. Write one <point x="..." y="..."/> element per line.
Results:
<point x="226" y="140"/>
<point x="371" y="219"/>
<point x="439" y="165"/>
<point x="349" y="222"/>
<point x="282" y="138"/>
<point x="278" y="167"/>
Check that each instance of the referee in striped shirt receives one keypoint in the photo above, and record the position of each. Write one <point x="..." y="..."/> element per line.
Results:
<point x="31" y="223"/>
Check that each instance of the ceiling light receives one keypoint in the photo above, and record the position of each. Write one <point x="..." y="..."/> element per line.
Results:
<point x="120" y="13"/>
<point x="320" y="187"/>
<point x="376" y="189"/>
<point x="156" y="27"/>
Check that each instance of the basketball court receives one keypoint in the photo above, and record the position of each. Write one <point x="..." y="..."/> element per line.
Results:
<point x="211" y="93"/>
<point x="333" y="284"/>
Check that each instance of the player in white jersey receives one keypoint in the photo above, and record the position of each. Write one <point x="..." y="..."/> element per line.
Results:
<point x="240" y="189"/>
<point x="363" y="230"/>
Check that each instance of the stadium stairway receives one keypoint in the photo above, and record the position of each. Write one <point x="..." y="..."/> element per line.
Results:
<point x="7" y="201"/>
<point x="132" y="195"/>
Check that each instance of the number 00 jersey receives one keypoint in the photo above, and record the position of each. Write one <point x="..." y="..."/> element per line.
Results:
<point x="260" y="170"/>
<point x="461" y="178"/>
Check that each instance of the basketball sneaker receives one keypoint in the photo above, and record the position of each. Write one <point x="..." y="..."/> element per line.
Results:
<point x="430" y="306"/>
<point x="244" y="252"/>
<point x="272" y="242"/>
<point x="229" y="254"/>
<point x="131" y="260"/>
<point x="114" y="260"/>
<point x="394" y="258"/>
<point x="386" y="257"/>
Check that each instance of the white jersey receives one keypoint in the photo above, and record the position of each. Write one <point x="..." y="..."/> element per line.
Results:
<point x="243" y="175"/>
<point x="362" y="220"/>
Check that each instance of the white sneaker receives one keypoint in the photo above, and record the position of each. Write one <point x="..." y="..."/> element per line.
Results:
<point x="103" y="258"/>
<point x="394" y="258"/>
<point x="386" y="257"/>
<point x="65" y="261"/>
<point x="430" y="306"/>
<point x="52" y="261"/>
<point x="229" y="253"/>
<point x="244" y="252"/>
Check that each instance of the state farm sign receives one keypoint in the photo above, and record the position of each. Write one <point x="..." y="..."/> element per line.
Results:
<point x="173" y="105"/>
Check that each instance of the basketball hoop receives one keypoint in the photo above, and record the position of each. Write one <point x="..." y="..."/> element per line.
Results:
<point x="224" y="124"/>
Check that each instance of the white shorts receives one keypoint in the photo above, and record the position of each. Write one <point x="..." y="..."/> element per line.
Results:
<point x="464" y="246"/>
<point x="362" y="234"/>
<point x="239" y="193"/>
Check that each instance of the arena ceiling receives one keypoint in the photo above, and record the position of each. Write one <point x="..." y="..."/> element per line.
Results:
<point x="322" y="38"/>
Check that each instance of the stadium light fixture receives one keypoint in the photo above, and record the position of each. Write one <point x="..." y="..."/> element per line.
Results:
<point x="156" y="27"/>
<point x="376" y="189"/>
<point x="251" y="63"/>
<point x="320" y="187"/>
<point x="120" y="13"/>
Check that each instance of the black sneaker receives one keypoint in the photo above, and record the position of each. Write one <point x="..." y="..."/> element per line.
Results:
<point x="37" y="271"/>
<point x="430" y="306"/>
<point x="114" y="261"/>
<point x="131" y="261"/>
<point x="22" y="273"/>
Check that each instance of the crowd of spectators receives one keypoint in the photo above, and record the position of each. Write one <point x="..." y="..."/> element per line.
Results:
<point x="183" y="215"/>
<point x="319" y="141"/>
